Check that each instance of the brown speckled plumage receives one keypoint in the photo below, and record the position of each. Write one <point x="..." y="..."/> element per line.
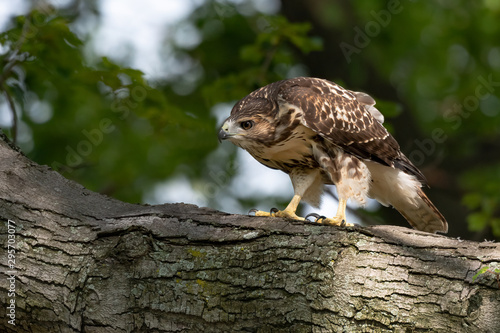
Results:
<point x="309" y="124"/>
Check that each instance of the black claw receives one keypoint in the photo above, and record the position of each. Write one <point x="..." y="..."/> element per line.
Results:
<point x="253" y="210"/>
<point x="342" y="224"/>
<point x="316" y="216"/>
<point x="273" y="210"/>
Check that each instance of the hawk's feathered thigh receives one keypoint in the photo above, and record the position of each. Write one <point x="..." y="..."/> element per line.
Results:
<point x="320" y="133"/>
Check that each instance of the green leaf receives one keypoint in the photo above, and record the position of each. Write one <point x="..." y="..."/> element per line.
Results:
<point x="480" y="272"/>
<point x="389" y="109"/>
<point x="252" y="53"/>
<point x="472" y="200"/>
<point x="477" y="221"/>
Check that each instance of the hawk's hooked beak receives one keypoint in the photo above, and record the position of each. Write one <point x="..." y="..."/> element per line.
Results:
<point x="223" y="132"/>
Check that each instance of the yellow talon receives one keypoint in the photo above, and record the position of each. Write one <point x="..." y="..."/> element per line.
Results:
<point x="289" y="215"/>
<point x="337" y="220"/>
<point x="284" y="213"/>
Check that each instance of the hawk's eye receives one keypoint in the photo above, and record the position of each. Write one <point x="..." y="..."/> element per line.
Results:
<point x="246" y="125"/>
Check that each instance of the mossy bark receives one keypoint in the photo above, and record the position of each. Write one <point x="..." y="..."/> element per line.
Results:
<point x="88" y="263"/>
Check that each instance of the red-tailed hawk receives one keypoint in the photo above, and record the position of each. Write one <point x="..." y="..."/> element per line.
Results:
<point x="320" y="133"/>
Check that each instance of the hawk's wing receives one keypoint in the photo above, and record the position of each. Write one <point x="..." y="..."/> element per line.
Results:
<point x="345" y="118"/>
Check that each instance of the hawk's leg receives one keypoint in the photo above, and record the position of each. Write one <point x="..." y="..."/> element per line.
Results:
<point x="307" y="183"/>
<point x="289" y="211"/>
<point x="338" y="219"/>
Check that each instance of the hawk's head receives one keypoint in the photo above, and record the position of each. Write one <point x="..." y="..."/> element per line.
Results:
<point x="252" y="122"/>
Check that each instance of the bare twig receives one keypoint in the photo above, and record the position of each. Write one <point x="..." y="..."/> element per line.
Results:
<point x="14" y="58"/>
<point x="12" y="107"/>
<point x="8" y="68"/>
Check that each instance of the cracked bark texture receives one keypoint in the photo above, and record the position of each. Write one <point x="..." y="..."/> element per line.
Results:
<point x="89" y="263"/>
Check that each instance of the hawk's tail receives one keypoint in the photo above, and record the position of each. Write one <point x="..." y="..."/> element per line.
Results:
<point x="422" y="214"/>
<point x="393" y="186"/>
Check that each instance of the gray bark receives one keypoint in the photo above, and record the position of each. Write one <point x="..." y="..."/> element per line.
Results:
<point x="88" y="263"/>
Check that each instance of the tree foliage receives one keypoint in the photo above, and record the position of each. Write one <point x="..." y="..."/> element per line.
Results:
<point x="434" y="69"/>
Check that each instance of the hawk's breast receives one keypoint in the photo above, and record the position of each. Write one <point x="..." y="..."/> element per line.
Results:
<point x="291" y="152"/>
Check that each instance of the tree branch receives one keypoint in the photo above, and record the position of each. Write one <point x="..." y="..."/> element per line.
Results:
<point x="87" y="262"/>
<point x="12" y="107"/>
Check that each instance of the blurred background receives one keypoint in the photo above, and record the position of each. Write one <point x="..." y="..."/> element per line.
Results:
<point x="126" y="97"/>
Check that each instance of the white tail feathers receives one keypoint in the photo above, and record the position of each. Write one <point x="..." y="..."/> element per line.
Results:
<point x="392" y="186"/>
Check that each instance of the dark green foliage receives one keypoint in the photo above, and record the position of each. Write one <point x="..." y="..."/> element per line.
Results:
<point x="109" y="129"/>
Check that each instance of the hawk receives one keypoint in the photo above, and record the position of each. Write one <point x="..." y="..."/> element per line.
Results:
<point x="320" y="133"/>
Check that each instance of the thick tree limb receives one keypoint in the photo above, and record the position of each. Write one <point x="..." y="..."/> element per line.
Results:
<point x="86" y="262"/>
